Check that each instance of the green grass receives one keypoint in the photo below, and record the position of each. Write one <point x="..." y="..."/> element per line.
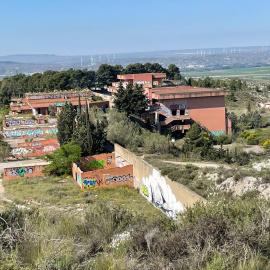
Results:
<point x="255" y="73"/>
<point x="48" y="192"/>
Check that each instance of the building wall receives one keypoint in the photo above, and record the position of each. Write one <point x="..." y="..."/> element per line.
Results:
<point x="169" y="196"/>
<point x="23" y="171"/>
<point x="35" y="148"/>
<point x="208" y="111"/>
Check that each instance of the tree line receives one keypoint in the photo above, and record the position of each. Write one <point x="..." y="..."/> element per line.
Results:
<point x="50" y="80"/>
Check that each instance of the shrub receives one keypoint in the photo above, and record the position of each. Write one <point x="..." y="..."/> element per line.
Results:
<point x="252" y="139"/>
<point x="266" y="144"/>
<point x="244" y="134"/>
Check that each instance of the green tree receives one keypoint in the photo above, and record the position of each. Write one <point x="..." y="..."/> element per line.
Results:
<point x="62" y="158"/>
<point x="65" y="123"/>
<point x="173" y="72"/>
<point x="131" y="100"/>
<point x="88" y="134"/>
<point x="256" y="120"/>
<point x="106" y="74"/>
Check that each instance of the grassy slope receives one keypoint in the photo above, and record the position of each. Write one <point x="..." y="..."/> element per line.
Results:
<point x="49" y="192"/>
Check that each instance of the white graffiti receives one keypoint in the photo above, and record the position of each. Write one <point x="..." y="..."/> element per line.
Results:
<point x="21" y="151"/>
<point x="52" y="120"/>
<point x="158" y="192"/>
<point x="36" y="144"/>
<point x="48" y="148"/>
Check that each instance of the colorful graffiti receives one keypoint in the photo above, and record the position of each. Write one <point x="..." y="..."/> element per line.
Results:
<point x="161" y="109"/>
<point x="46" y="96"/>
<point x="30" y="132"/>
<point x="160" y="194"/>
<point x="48" y="148"/>
<point x="29" y="122"/>
<point x="177" y="106"/>
<point x="20" y="171"/>
<point x="13" y="123"/>
<point x="80" y="179"/>
<point x="52" y="120"/>
<point x="145" y="190"/>
<point x="89" y="183"/>
<point x="36" y="144"/>
<point x="119" y="179"/>
<point x="217" y="133"/>
<point x="97" y="164"/>
<point x="21" y="151"/>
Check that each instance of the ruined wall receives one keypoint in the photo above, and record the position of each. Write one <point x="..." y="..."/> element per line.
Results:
<point x="25" y="133"/>
<point x="171" y="197"/>
<point x="96" y="162"/>
<point x="35" y="148"/>
<point x="109" y="177"/>
<point x="23" y="171"/>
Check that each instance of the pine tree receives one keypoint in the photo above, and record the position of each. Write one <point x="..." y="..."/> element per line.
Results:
<point x="131" y="100"/>
<point x="65" y="124"/>
<point x="88" y="130"/>
<point x="79" y="105"/>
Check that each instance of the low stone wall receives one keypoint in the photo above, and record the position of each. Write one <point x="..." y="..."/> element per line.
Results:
<point x="170" y="196"/>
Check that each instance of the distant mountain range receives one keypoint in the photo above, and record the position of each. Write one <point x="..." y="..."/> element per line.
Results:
<point x="194" y="59"/>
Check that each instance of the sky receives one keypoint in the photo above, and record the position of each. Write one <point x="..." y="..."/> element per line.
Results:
<point x="85" y="27"/>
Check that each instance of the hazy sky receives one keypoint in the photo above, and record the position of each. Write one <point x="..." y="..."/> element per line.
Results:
<point x="75" y="27"/>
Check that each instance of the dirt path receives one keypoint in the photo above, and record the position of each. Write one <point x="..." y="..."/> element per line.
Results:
<point x="2" y="192"/>
<point x="198" y="164"/>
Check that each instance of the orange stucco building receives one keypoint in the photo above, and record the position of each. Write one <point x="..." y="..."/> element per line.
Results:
<point x="144" y="79"/>
<point x="177" y="107"/>
<point x="38" y="103"/>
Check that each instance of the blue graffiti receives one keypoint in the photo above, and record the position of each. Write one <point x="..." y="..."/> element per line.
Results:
<point x="89" y="182"/>
<point x="217" y="133"/>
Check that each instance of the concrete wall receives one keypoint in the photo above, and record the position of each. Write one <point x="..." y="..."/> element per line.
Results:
<point x="35" y="148"/>
<point x="23" y="171"/>
<point x="171" y="197"/>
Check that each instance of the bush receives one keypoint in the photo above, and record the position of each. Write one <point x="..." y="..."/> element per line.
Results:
<point x="252" y="139"/>
<point x="244" y="134"/>
<point x="222" y="139"/>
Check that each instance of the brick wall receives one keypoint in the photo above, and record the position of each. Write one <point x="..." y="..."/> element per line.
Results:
<point x="108" y="177"/>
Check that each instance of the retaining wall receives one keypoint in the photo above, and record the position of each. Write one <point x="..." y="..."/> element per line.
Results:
<point x="170" y="196"/>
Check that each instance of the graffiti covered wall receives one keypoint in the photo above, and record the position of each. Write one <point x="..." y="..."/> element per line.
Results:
<point x="108" y="177"/>
<point x="36" y="148"/>
<point x="24" y="133"/>
<point x="169" y="196"/>
<point x="23" y="171"/>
